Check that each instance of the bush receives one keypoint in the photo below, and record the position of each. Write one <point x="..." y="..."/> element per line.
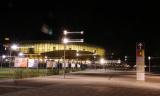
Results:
<point x="74" y="70"/>
<point x="67" y="70"/>
<point x="18" y="74"/>
<point x="27" y="73"/>
<point x="24" y="73"/>
<point x="52" y="71"/>
<point x="32" y="73"/>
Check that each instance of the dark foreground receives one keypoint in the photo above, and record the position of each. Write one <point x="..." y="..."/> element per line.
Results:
<point x="86" y="83"/>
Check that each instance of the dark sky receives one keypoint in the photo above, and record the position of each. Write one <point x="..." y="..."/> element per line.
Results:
<point x="115" y="25"/>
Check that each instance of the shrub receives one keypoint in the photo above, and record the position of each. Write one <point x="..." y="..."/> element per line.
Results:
<point x="67" y="70"/>
<point x="32" y="73"/>
<point x="52" y="71"/>
<point x="18" y="74"/>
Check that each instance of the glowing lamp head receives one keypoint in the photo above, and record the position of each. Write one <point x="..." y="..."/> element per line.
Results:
<point x="45" y="57"/>
<point x="7" y="39"/>
<point x="20" y="54"/>
<point x="14" y="47"/>
<point x="77" y="54"/>
<point x="65" y="32"/>
<point x="82" y="32"/>
<point x="65" y="40"/>
<point x="119" y="61"/>
<point x="3" y="56"/>
<point x="149" y="57"/>
<point x="102" y="61"/>
<point x="82" y="40"/>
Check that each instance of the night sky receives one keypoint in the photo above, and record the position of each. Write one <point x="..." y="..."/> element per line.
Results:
<point x="115" y="25"/>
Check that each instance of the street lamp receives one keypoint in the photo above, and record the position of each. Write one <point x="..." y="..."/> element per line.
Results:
<point x="77" y="54"/>
<point x="94" y="58"/>
<point x="125" y="58"/>
<point x="3" y="57"/>
<point x="102" y="62"/>
<point x="65" y="32"/>
<point x="13" y="47"/>
<point x="119" y="61"/>
<point x="149" y="59"/>
<point x="65" y="41"/>
<point x="20" y="54"/>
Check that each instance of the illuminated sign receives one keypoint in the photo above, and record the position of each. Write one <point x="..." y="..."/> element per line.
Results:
<point x="20" y="62"/>
<point x="140" y="60"/>
<point x="33" y="63"/>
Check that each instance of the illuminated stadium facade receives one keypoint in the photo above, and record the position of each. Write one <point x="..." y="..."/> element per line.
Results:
<point x="54" y="50"/>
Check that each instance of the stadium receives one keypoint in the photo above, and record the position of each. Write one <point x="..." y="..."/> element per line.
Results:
<point x="54" y="50"/>
<point x="45" y="52"/>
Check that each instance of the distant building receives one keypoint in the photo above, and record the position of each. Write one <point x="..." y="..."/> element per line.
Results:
<point x="55" y="50"/>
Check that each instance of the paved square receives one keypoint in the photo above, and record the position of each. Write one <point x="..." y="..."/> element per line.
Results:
<point x="86" y="83"/>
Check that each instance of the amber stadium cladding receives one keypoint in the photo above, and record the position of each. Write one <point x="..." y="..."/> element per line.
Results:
<point x="55" y="50"/>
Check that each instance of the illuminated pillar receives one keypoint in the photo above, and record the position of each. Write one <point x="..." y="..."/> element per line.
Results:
<point x="140" y="59"/>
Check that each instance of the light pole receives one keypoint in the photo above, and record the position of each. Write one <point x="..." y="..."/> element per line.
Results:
<point x="77" y="55"/>
<point x="94" y="58"/>
<point x="125" y="58"/>
<point x="102" y="62"/>
<point x="149" y="60"/>
<point x="21" y="54"/>
<point x="65" y="41"/>
<point x="13" y="47"/>
<point x="3" y="57"/>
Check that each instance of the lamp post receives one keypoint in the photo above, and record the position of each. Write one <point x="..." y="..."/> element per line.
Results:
<point x="13" y="47"/>
<point x="94" y="58"/>
<point x="65" y="41"/>
<point x="3" y="57"/>
<point x="149" y="60"/>
<point x="20" y="54"/>
<point x="102" y="62"/>
<point x="77" y="55"/>
<point x="125" y="58"/>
